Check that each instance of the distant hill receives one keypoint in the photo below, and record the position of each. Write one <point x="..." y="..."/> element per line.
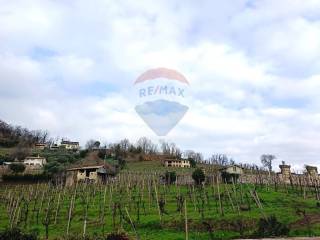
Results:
<point x="11" y="136"/>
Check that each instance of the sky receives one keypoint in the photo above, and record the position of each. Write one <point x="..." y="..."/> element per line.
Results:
<point x="253" y="69"/>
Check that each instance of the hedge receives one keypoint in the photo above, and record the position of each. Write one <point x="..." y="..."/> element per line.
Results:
<point x="26" y="178"/>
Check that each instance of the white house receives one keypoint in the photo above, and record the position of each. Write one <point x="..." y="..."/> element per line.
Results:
<point x="70" y="145"/>
<point x="35" y="162"/>
<point x="183" y="163"/>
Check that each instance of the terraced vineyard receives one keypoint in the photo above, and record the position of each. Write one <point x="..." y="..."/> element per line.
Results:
<point x="144" y="207"/>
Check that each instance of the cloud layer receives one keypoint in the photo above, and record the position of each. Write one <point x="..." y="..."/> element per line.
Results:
<point x="253" y="68"/>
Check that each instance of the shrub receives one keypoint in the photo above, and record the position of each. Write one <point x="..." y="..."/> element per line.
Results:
<point x="271" y="227"/>
<point x="16" y="234"/>
<point x="17" y="167"/>
<point x="198" y="176"/>
<point x="117" y="236"/>
<point x="170" y="177"/>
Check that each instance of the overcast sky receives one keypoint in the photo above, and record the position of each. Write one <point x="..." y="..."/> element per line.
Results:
<point x="253" y="67"/>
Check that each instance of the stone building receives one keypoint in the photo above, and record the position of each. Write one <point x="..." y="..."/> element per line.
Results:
<point x="232" y="169"/>
<point x="285" y="173"/>
<point x="312" y="171"/>
<point x="88" y="174"/>
<point x="231" y="173"/>
<point x="90" y="170"/>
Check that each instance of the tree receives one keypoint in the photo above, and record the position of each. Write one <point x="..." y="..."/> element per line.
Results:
<point x="20" y="152"/>
<point x="219" y="159"/>
<point x="17" y="168"/>
<point x="193" y="162"/>
<point x="266" y="160"/>
<point x="146" y="145"/>
<point x="198" y="176"/>
<point x="91" y="144"/>
<point x="122" y="163"/>
<point x="124" y="145"/>
<point x="83" y="153"/>
<point x="53" y="168"/>
<point x="165" y="147"/>
<point x="170" y="177"/>
<point x="96" y="144"/>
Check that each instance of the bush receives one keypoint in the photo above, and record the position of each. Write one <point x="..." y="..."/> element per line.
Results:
<point x="170" y="177"/>
<point x="17" y="167"/>
<point x="117" y="236"/>
<point x="271" y="227"/>
<point x="16" y="234"/>
<point x="198" y="176"/>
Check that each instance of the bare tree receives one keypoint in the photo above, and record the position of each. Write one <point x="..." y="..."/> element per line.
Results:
<point x="266" y="160"/>
<point x="124" y="144"/>
<point x="165" y="147"/>
<point x="91" y="144"/>
<point x="147" y="145"/>
<point x="219" y="159"/>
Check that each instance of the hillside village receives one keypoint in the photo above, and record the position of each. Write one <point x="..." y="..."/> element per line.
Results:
<point x="67" y="162"/>
<point x="152" y="178"/>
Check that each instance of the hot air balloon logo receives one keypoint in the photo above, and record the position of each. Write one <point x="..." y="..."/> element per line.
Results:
<point x="161" y="98"/>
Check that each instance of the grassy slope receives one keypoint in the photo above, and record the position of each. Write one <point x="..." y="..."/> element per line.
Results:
<point x="281" y="204"/>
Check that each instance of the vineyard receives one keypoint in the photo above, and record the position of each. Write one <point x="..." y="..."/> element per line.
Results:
<point x="144" y="207"/>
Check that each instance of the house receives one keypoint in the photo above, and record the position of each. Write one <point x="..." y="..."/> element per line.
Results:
<point x="70" y="145"/>
<point x="54" y="146"/>
<point x="40" y="146"/>
<point x="232" y="169"/>
<point x="181" y="163"/>
<point x="231" y="173"/>
<point x="34" y="162"/>
<point x="90" y="170"/>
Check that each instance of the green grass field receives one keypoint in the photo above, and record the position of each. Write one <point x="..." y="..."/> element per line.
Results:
<point x="134" y="204"/>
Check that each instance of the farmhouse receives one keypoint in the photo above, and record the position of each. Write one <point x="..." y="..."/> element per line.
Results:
<point x="231" y="173"/>
<point x="90" y="170"/>
<point x="70" y="145"/>
<point x="89" y="174"/>
<point x="232" y="169"/>
<point x="183" y="163"/>
<point x="34" y="162"/>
